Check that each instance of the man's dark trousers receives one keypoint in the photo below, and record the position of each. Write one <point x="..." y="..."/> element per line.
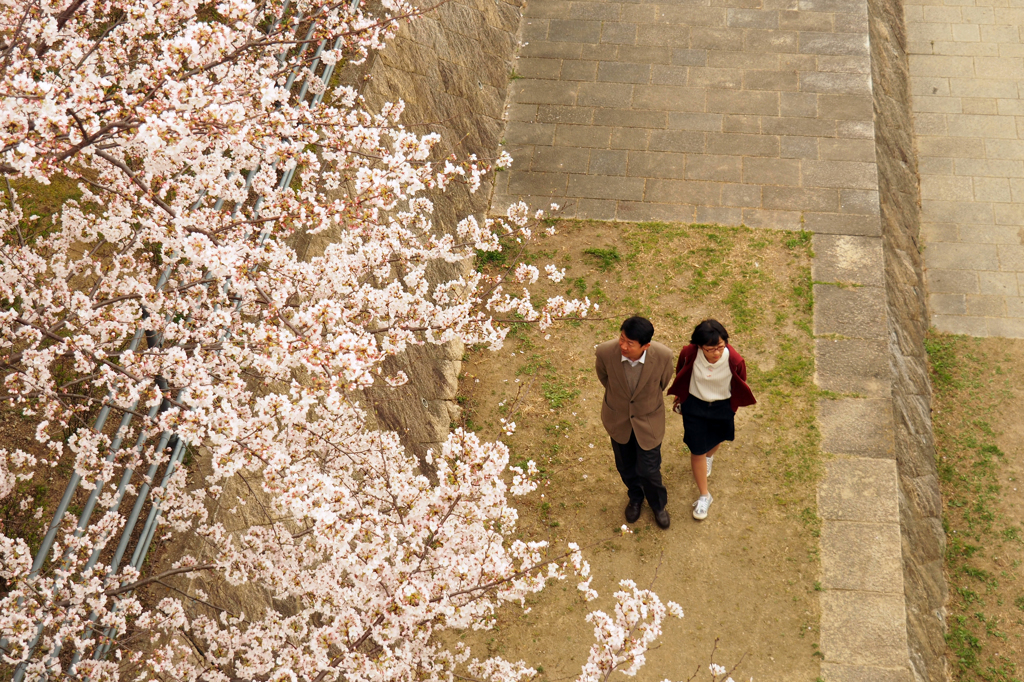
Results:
<point x="641" y="472"/>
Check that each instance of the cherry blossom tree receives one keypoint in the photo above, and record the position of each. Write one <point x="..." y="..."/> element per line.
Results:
<point x="203" y="143"/>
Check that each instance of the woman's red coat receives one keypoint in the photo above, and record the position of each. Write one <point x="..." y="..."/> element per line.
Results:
<point x="741" y="393"/>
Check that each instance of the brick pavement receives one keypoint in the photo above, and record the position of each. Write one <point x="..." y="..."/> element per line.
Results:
<point x="721" y="112"/>
<point x="967" y="74"/>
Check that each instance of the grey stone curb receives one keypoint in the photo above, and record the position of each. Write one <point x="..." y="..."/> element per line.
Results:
<point x="863" y="610"/>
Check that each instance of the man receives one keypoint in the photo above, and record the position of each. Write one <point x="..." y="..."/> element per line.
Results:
<point x="635" y="373"/>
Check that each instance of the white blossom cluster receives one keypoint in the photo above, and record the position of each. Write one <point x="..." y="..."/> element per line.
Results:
<point x="171" y="117"/>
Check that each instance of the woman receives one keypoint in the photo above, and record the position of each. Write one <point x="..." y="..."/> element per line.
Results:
<point x="710" y="385"/>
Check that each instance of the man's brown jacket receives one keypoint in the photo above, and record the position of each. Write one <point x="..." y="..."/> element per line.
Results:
<point x="643" y="411"/>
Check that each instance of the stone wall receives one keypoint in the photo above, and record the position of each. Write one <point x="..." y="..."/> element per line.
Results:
<point x="452" y="68"/>
<point x="920" y="506"/>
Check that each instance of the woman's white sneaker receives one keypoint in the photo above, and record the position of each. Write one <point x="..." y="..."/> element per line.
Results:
<point x="700" y="507"/>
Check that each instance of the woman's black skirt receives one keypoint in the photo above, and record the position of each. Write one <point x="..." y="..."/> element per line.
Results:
<point x="705" y="424"/>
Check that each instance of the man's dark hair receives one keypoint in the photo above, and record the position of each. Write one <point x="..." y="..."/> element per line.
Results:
<point x="638" y="329"/>
<point x="708" y="333"/>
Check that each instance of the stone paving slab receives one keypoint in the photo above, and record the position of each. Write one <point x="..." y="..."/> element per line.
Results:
<point x="966" y="66"/>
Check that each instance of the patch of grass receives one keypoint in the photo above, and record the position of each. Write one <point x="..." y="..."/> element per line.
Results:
<point x="558" y="393"/>
<point x="970" y="465"/>
<point x="605" y="259"/>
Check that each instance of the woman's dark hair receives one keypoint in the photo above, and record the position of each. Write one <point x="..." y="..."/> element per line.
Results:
<point x="708" y="333"/>
<point x="638" y="329"/>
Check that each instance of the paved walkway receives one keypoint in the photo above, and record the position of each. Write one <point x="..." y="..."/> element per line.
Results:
<point x="728" y="112"/>
<point x="757" y="112"/>
<point x="967" y="72"/>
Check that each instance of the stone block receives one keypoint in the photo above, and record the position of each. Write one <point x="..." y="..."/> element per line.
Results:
<point x="858" y="313"/>
<point x="742" y="196"/>
<point x="708" y="38"/>
<point x="578" y="70"/>
<point x="771" y="80"/>
<point x="607" y="162"/>
<point x="843" y="224"/>
<point x="847" y="150"/>
<point x="855" y="130"/>
<point x="676" y="141"/>
<point x="1007" y="214"/>
<point x="992" y="189"/>
<point x="605" y="187"/>
<point x="718" y="215"/>
<point x="636" y="211"/>
<point x="861" y="202"/>
<point x="604" y="94"/>
<point x="952" y="281"/>
<point x="656" y="165"/>
<point x="539" y="68"/>
<point x="845" y="107"/>
<point x="762" y="171"/>
<point x="836" y="83"/>
<point x="752" y="18"/>
<point x="573" y="31"/>
<point x="834" y="672"/>
<point x="743" y="145"/>
<point x="771" y="42"/>
<point x="834" y="43"/>
<point x="709" y="167"/>
<point x="560" y="160"/>
<point x="669" y="74"/>
<point x="990" y="127"/>
<point x="630" y="118"/>
<point x="708" y="77"/>
<point x="982" y="87"/>
<point x="985" y="306"/>
<point x="798" y="147"/>
<point x="963" y="148"/>
<point x="866" y="557"/>
<point x="666" y="98"/>
<point x="848" y="259"/>
<point x="1004" y="149"/>
<point x="530" y="134"/>
<point x="541" y="184"/>
<point x="592" y="11"/>
<point x="1006" y="327"/>
<point x="948" y="304"/>
<point x="1011" y="257"/>
<point x="857" y="366"/>
<point x="805" y="21"/>
<point x="947" y="256"/>
<point x="961" y="324"/>
<point x="629" y="138"/>
<point x="853" y="22"/>
<point x="617" y="72"/>
<point x="568" y="136"/>
<point x="618" y="33"/>
<point x="864" y="490"/>
<point x="840" y="174"/>
<point x="532" y="91"/>
<point x="799" y="104"/>
<point x="772" y="220"/>
<point x="789" y="125"/>
<point x="683" y="192"/>
<point x="695" y="121"/>
<point x="686" y="57"/>
<point x="743" y="102"/>
<point x="595" y="209"/>
<point x="957" y="212"/>
<point x="858" y="427"/>
<point x="554" y="113"/>
<point x="998" y="283"/>
<point x="947" y="188"/>
<point x="645" y="54"/>
<point x="800" y="199"/>
<point x="663" y="36"/>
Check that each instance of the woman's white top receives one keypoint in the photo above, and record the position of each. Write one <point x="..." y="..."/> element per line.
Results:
<point x="711" y="381"/>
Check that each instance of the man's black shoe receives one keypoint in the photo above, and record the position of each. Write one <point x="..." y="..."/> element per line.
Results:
<point x="633" y="511"/>
<point x="661" y="517"/>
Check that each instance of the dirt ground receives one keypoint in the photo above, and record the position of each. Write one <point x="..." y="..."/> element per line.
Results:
<point x="747" y="576"/>
<point x="979" y="437"/>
